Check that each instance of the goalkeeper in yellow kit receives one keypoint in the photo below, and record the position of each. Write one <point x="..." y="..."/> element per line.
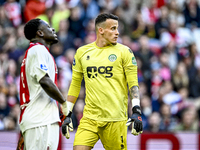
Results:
<point x="107" y="67"/>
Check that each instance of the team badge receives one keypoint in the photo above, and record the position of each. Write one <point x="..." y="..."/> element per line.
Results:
<point x="74" y="62"/>
<point x="134" y="61"/>
<point x="112" y="57"/>
<point x="43" y="67"/>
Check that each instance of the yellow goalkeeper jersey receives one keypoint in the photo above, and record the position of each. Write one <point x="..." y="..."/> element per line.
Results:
<point x="106" y="71"/>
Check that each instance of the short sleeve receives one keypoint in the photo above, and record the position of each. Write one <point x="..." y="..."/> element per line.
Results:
<point x="40" y="63"/>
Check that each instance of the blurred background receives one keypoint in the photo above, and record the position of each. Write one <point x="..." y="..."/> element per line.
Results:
<point x="163" y="35"/>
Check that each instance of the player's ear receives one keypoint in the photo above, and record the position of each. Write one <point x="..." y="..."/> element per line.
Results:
<point x="40" y="33"/>
<point x="101" y="30"/>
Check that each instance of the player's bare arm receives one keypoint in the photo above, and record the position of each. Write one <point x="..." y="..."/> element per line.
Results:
<point x="51" y="89"/>
<point x="134" y="92"/>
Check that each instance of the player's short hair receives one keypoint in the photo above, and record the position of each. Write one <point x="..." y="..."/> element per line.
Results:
<point x="103" y="17"/>
<point x="31" y="28"/>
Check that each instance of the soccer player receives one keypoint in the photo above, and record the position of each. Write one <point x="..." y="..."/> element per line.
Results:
<point x="39" y="117"/>
<point x="107" y="67"/>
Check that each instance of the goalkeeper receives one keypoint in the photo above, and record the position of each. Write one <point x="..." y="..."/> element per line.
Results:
<point x="107" y="67"/>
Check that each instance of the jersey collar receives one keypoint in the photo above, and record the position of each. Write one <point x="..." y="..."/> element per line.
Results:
<point x="33" y="44"/>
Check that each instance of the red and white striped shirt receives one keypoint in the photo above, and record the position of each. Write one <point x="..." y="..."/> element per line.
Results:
<point x="37" y="108"/>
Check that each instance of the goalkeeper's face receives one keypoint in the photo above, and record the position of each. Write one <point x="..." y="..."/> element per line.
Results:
<point x="110" y="31"/>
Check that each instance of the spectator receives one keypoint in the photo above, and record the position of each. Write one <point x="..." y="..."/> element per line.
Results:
<point x="151" y="12"/>
<point x="175" y="12"/>
<point x="33" y="8"/>
<point x="138" y="27"/>
<point x="165" y="72"/>
<point x="180" y="77"/>
<point x="14" y="113"/>
<point x="154" y="122"/>
<point x="173" y="54"/>
<point x="124" y="28"/>
<point x="109" y="5"/>
<point x="57" y="50"/>
<point x="65" y="36"/>
<point x="65" y="70"/>
<point x="12" y="95"/>
<point x="168" y="121"/>
<point x="172" y="98"/>
<point x="88" y="10"/>
<point x="146" y="109"/>
<point x="129" y="10"/>
<point x="12" y="72"/>
<point x="191" y="14"/>
<point x="3" y="63"/>
<point x="3" y="85"/>
<point x="145" y="54"/>
<point x="76" y="23"/>
<point x="21" y="42"/>
<point x="163" y="22"/>
<point x="195" y="85"/>
<point x="13" y="12"/>
<point x="188" y="120"/>
<point x="4" y="108"/>
<point x="157" y="100"/>
<point x="2" y="40"/>
<point x="9" y="123"/>
<point x="181" y="36"/>
<point x="54" y="15"/>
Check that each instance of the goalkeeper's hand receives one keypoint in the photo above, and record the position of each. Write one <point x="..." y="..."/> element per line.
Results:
<point x="136" y="121"/>
<point x="67" y="126"/>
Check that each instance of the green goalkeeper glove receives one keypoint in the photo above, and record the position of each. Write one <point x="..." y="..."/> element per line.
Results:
<point x="136" y="121"/>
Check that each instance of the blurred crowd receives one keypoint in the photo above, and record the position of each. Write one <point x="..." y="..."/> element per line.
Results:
<point x="163" y="35"/>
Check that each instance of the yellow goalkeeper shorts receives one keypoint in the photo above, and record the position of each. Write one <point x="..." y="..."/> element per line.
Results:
<point x="113" y="135"/>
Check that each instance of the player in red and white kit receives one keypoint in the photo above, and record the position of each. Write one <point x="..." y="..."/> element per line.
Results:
<point x="39" y="118"/>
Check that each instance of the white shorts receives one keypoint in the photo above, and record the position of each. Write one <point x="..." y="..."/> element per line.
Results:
<point x="42" y="138"/>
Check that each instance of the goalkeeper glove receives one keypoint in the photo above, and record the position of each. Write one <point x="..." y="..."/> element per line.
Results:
<point x="67" y="124"/>
<point x="135" y="119"/>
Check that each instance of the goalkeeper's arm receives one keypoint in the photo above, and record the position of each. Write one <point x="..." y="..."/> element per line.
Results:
<point x="73" y="93"/>
<point x="136" y="116"/>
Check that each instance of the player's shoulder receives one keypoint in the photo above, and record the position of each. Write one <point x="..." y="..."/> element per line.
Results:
<point x="85" y="48"/>
<point x="37" y="50"/>
<point x="122" y="47"/>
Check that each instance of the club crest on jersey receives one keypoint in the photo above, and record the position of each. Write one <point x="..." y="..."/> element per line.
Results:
<point x="43" y="67"/>
<point x="74" y="62"/>
<point x="134" y="61"/>
<point x="112" y="57"/>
